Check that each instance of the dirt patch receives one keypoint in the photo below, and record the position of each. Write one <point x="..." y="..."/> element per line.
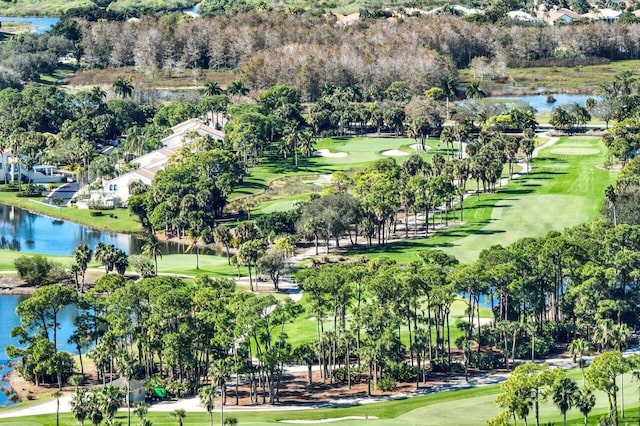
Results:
<point x="337" y="419"/>
<point x="613" y="168"/>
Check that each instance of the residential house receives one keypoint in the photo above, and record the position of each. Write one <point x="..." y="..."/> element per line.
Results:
<point x="149" y="164"/>
<point x="562" y="16"/>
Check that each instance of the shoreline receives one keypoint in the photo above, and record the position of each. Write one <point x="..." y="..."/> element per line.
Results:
<point x="90" y="221"/>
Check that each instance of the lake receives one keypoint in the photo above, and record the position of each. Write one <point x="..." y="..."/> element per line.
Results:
<point x="8" y="320"/>
<point x="540" y="104"/>
<point x="28" y="232"/>
<point x="40" y="25"/>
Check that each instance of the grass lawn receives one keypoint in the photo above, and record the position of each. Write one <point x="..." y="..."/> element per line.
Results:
<point x="185" y="264"/>
<point x="556" y="79"/>
<point x="564" y="189"/>
<point x="462" y="407"/>
<point x="303" y="329"/>
<point x="120" y="222"/>
<point x="281" y="175"/>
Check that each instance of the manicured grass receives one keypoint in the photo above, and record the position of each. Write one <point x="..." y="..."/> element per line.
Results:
<point x="361" y="151"/>
<point x="8" y="257"/>
<point x="303" y="329"/>
<point x="185" y="264"/>
<point x="564" y="189"/>
<point x="461" y="407"/>
<point x="121" y="222"/>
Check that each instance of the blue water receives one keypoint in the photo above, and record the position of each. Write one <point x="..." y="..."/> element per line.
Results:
<point x="193" y="10"/>
<point x="9" y="320"/>
<point x="540" y="104"/>
<point x="40" y="25"/>
<point x="28" y="232"/>
<point x="32" y="233"/>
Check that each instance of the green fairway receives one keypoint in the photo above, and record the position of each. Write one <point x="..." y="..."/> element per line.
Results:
<point x="360" y="151"/>
<point x="565" y="188"/>
<point x="460" y="407"/>
<point x="185" y="264"/>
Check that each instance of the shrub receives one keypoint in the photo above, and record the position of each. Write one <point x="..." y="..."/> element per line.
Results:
<point x="340" y="374"/>
<point x="443" y="367"/>
<point x="400" y="372"/>
<point x="387" y="385"/>
<point x="485" y="361"/>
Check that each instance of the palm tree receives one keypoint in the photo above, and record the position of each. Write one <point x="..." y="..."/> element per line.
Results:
<point x="76" y="380"/>
<point x="212" y="88"/>
<point x="78" y="405"/>
<point x="585" y="401"/>
<point x="101" y="254"/>
<point x="123" y="87"/>
<point x="179" y="414"/>
<point x="110" y="400"/>
<point x="207" y="395"/>
<point x="220" y="373"/>
<point x="237" y="88"/>
<point x="564" y="394"/>
<point x="97" y="95"/>
<point x="57" y="395"/>
<point x="474" y="91"/>
<point x="194" y="235"/>
<point x="448" y="85"/>
<point x="222" y="235"/>
<point x="578" y="348"/>
<point x="152" y="248"/>
<point x="603" y="333"/>
<point x="140" y="410"/>
<point x="82" y="255"/>
<point x="127" y="369"/>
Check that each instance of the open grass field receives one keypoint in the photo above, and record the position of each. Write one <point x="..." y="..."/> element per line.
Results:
<point x="581" y="79"/>
<point x="564" y="189"/>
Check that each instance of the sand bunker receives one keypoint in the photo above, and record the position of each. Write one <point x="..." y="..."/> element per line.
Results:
<point x="325" y="153"/>
<point x="322" y="180"/>
<point x="575" y="151"/>
<point x="394" y="153"/>
<point x="338" y="419"/>
<point x="418" y="148"/>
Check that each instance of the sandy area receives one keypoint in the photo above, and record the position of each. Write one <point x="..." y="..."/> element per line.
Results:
<point x="337" y="419"/>
<point x="394" y="153"/>
<point x="418" y="148"/>
<point x="325" y="153"/>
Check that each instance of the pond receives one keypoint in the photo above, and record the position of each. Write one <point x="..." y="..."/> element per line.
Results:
<point x="9" y="319"/>
<point x="28" y="232"/>
<point x="40" y="24"/>
<point x="540" y="104"/>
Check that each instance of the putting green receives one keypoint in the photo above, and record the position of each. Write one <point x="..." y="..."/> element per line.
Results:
<point x="570" y="150"/>
<point x="280" y="206"/>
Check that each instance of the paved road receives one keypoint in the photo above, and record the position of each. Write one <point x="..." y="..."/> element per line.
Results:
<point x="64" y="192"/>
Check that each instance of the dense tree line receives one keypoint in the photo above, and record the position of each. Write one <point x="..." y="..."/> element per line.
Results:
<point x="311" y="51"/>
<point x="377" y="321"/>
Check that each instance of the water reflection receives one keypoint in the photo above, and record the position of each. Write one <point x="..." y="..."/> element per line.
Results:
<point x="28" y="232"/>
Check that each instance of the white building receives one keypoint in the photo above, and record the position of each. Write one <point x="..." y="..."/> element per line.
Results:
<point x="116" y="191"/>
<point x="606" y="15"/>
<point x="10" y="165"/>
